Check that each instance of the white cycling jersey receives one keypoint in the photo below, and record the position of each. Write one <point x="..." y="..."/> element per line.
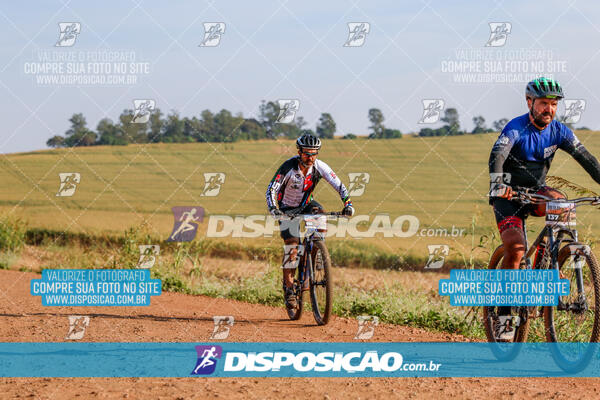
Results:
<point x="290" y="188"/>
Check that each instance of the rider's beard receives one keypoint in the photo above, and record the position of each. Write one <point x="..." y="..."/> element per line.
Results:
<point x="538" y="118"/>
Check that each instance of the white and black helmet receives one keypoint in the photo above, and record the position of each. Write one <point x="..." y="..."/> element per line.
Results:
<point x="308" y="141"/>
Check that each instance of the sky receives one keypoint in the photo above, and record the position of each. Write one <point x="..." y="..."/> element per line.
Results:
<point x="412" y="51"/>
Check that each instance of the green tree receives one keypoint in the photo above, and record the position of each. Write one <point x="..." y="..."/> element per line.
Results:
<point x="56" y="141"/>
<point x="500" y="124"/>
<point x="479" y="123"/>
<point x="173" y="131"/>
<point x="267" y="115"/>
<point x="251" y="129"/>
<point x="376" y="118"/>
<point x="79" y="134"/>
<point x="109" y="133"/>
<point x="326" y="126"/>
<point x="227" y="126"/>
<point x="391" y="133"/>
<point x="452" y="120"/>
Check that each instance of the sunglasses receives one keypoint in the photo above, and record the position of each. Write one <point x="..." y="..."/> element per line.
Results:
<point x="310" y="154"/>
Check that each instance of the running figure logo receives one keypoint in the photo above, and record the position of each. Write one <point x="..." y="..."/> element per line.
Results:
<point x="437" y="255"/>
<point x="68" y="183"/>
<point x="357" y="33"/>
<point x="212" y="34"/>
<point x="212" y="183"/>
<point x="287" y="110"/>
<point x="366" y="326"/>
<point x="148" y="254"/>
<point x="68" y="33"/>
<point x="432" y="109"/>
<point x="186" y="223"/>
<point x="498" y="34"/>
<point x="358" y="183"/>
<point x="573" y="110"/>
<point x="222" y="326"/>
<point x="207" y="359"/>
<point x="77" y="326"/>
<point x="142" y="110"/>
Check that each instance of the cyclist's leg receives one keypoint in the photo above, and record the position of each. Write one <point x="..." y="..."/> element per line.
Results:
<point x="290" y="261"/>
<point x="510" y="217"/>
<point x="289" y="231"/>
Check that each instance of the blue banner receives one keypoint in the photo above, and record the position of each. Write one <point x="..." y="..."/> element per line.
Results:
<point x="298" y="360"/>
<point x="504" y="287"/>
<point x="95" y="287"/>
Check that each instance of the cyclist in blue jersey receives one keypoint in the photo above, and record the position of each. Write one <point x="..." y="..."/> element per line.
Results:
<point x="290" y="193"/>
<point x="521" y="157"/>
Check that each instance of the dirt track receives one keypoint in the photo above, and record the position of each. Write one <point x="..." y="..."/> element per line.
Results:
<point x="181" y="318"/>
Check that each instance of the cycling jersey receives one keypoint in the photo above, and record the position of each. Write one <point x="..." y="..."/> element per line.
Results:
<point x="289" y="188"/>
<point x="526" y="152"/>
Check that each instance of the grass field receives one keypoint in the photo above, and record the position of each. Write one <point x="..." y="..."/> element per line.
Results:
<point x="126" y="193"/>
<point x="441" y="181"/>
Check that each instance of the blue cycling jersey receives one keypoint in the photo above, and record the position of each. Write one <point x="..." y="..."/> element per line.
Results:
<point x="531" y="144"/>
<point x="525" y="152"/>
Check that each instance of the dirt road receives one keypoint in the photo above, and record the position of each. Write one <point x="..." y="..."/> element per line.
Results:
<point x="175" y="317"/>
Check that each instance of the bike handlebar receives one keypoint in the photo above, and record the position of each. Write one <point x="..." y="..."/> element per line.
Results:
<point x="327" y="214"/>
<point x="525" y="195"/>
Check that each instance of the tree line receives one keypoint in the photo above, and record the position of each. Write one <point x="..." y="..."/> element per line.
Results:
<point x="227" y="127"/>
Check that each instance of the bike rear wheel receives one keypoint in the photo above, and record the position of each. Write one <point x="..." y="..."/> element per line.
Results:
<point x="321" y="284"/>
<point x="576" y="319"/>
<point x="504" y="351"/>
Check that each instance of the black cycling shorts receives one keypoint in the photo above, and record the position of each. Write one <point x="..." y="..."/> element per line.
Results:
<point x="289" y="229"/>
<point x="510" y="214"/>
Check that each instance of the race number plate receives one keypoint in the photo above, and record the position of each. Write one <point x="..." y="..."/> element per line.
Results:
<point x="560" y="214"/>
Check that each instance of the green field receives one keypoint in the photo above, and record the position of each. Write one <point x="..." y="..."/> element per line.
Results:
<point x="126" y="193"/>
<point x="442" y="181"/>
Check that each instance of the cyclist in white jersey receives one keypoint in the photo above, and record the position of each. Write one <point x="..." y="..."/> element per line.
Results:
<point x="290" y="193"/>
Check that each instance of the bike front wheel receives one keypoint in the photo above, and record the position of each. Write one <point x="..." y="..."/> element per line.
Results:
<point x="575" y="320"/>
<point x="321" y="283"/>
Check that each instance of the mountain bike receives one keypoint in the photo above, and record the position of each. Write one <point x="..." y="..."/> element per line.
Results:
<point x="314" y="270"/>
<point x="575" y="319"/>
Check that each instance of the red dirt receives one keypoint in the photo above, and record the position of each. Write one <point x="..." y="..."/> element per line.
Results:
<point x="175" y="317"/>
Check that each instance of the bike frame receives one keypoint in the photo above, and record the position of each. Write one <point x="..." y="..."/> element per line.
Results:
<point x="553" y="244"/>
<point x="307" y="247"/>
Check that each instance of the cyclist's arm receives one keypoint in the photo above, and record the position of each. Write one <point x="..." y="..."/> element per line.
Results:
<point x="501" y="150"/>
<point x="577" y="150"/>
<point x="335" y="182"/>
<point x="275" y="187"/>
